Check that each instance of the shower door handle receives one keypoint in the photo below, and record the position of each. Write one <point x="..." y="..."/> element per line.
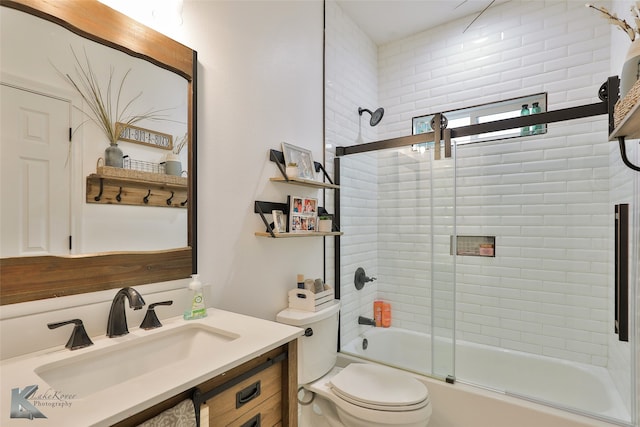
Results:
<point x="622" y="271"/>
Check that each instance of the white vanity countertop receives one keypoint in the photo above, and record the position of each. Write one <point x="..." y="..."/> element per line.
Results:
<point x="116" y="403"/>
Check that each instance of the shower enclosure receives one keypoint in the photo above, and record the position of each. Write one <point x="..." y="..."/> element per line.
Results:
<point x="498" y="263"/>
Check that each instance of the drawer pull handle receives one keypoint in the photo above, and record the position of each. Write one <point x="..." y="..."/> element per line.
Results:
<point x="248" y="394"/>
<point x="253" y="422"/>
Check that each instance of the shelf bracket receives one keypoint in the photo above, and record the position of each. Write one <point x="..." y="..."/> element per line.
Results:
<point x="266" y="207"/>
<point x="623" y="154"/>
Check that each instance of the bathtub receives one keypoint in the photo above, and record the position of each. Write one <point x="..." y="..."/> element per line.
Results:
<point x="521" y="378"/>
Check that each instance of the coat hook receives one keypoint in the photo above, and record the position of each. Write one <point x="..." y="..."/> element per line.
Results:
<point x="119" y="195"/>
<point x="146" y="198"/>
<point x="169" y="199"/>
<point x="184" y="203"/>
<point x="99" y="196"/>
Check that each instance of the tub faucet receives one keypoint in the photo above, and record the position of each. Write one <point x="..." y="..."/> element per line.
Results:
<point x="366" y="321"/>
<point x="117" y="323"/>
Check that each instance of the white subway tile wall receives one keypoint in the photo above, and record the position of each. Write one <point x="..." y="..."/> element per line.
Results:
<point x="547" y="199"/>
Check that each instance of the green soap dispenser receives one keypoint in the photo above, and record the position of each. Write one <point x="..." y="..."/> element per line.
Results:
<point x="197" y="308"/>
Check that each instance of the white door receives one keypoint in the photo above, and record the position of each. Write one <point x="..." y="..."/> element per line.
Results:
<point x="35" y="175"/>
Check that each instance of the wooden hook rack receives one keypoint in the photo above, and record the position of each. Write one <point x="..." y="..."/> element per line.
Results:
<point x="130" y="191"/>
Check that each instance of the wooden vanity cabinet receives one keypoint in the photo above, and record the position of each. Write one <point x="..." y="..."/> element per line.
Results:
<point x="260" y="392"/>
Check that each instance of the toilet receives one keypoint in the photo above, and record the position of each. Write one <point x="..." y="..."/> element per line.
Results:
<point x="358" y="395"/>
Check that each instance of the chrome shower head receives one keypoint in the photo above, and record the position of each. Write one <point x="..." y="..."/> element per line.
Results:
<point x="376" y="116"/>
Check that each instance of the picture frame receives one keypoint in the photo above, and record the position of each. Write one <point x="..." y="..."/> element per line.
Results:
<point x="302" y="157"/>
<point x="303" y="214"/>
<point x="144" y="136"/>
<point x="279" y="224"/>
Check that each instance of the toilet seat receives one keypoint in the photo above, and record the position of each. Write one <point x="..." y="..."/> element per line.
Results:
<point x="379" y="388"/>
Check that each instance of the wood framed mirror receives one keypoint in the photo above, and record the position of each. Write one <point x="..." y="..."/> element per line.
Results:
<point x="28" y="278"/>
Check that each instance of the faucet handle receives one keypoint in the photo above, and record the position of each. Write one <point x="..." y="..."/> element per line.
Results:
<point x="151" y="320"/>
<point x="79" y="337"/>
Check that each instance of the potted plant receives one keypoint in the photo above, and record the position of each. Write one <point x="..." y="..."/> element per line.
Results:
<point x="106" y="109"/>
<point x="325" y="223"/>
<point x="629" y="73"/>
<point x="172" y="164"/>
<point x="292" y="170"/>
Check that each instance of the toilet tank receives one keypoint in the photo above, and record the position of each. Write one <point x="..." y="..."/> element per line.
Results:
<point x="317" y="349"/>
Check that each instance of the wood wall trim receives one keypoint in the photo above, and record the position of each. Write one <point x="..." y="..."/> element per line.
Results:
<point x="35" y="278"/>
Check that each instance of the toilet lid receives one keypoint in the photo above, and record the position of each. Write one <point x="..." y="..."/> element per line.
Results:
<point x="378" y="386"/>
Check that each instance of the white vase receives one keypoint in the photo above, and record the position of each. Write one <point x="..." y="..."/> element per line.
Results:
<point x="291" y="171"/>
<point x="113" y="156"/>
<point x="630" y="69"/>
<point x="172" y="165"/>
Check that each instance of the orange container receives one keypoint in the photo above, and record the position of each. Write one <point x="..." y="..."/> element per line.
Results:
<point x="377" y="312"/>
<point x="386" y="315"/>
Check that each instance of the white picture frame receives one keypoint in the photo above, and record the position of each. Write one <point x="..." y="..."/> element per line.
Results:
<point x="279" y="224"/>
<point x="301" y="157"/>
<point x="303" y="214"/>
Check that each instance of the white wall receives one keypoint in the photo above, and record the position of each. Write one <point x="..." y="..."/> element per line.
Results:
<point x="260" y="83"/>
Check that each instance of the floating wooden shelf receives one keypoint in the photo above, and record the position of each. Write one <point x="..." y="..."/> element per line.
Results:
<point x="130" y="191"/>
<point x="629" y="127"/>
<point x="305" y="182"/>
<point x="287" y="235"/>
<point x="263" y="208"/>
<point x="277" y="157"/>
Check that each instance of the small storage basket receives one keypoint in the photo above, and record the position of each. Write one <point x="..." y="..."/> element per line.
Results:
<point x="303" y="299"/>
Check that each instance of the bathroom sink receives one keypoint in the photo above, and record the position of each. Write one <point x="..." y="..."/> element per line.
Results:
<point x="96" y="370"/>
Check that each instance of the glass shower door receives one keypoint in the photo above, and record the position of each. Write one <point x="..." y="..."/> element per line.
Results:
<point x="535" y="320"/>
<point x="392" y="228"/>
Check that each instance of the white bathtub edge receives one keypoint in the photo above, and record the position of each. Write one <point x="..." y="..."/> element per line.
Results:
<point x="461" y="405"/>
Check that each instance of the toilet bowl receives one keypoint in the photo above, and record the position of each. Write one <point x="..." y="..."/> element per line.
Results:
<point x="358" y="395"/>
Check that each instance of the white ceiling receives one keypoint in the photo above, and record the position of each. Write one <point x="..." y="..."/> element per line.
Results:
<point x="389" y="20"/>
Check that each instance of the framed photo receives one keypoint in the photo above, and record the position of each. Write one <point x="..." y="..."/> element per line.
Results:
<point x="302" y="157"/>
<point x="279" y="225"/>
<point x="303" y="214"/>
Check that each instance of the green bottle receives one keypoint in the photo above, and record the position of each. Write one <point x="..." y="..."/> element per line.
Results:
<point x="524" y="112"/>
<point x="535" y="109"/>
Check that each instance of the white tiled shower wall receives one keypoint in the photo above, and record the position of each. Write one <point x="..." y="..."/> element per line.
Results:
<point x="351" y="76"/>
<point x="545" y="199"/>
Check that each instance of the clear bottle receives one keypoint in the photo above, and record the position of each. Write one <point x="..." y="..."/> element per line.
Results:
<point x="524" y="131"/>
<point x="535" y="109"/>
<point x="197" y="308"/>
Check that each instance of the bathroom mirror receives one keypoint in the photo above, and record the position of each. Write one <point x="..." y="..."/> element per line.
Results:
<point x="38" y="277"/>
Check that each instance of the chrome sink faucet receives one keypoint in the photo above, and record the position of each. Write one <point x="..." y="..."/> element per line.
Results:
<point x="117" y="323"/>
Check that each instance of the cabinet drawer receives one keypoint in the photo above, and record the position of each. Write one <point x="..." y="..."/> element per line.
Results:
<point x="242" y="399"/>
<point x="268" y="414"/>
